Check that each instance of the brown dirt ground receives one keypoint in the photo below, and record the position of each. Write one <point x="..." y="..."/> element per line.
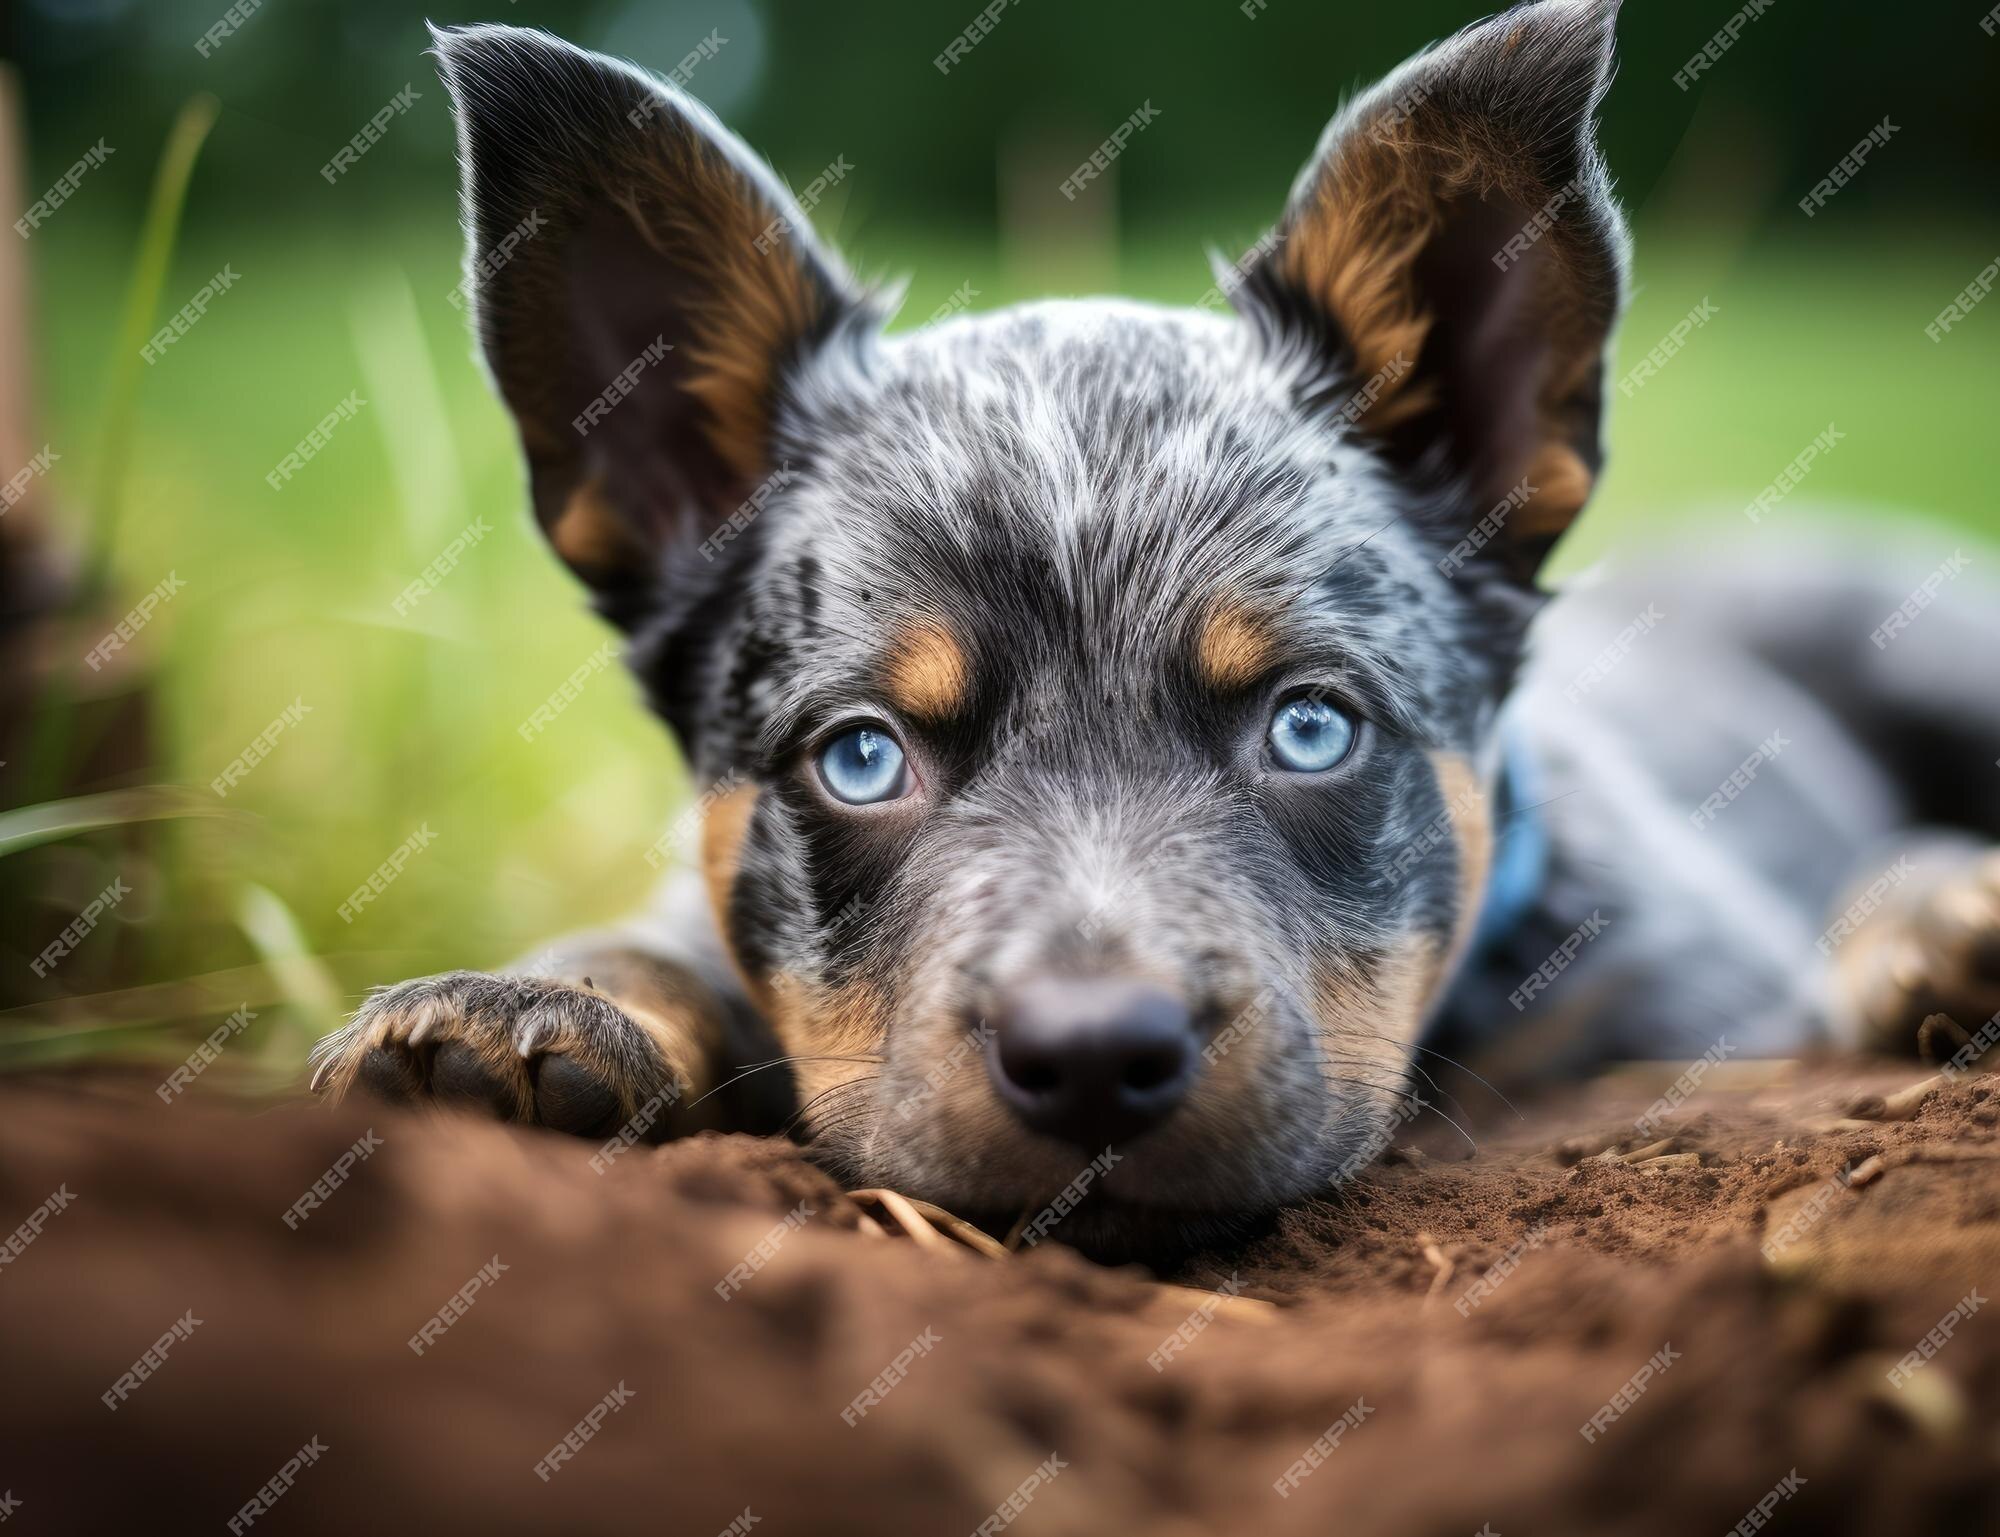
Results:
<point x="1473" y="1419"/>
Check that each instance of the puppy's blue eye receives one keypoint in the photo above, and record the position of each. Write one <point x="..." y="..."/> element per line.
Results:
<point x="863" y="766"/>
<point x="1309" y="735"/>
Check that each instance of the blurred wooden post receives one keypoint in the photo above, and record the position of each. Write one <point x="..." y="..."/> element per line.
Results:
<point x="13" y="281"/>
<point x="28" y="585"/>
<point x="64" y="729"/>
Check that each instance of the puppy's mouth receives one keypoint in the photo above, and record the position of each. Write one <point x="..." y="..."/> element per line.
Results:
<point x="1113" y="1229"/>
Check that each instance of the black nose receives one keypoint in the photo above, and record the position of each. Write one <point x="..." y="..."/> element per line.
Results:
<point x="1092" y="1060"/>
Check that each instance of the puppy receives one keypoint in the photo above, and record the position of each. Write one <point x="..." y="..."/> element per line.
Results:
<point x="1123" y="749"/>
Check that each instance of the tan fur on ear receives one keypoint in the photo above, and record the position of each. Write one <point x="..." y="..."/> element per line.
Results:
<point x="758" y="297"/>
<point x="1562" y="485"/>
<point x="641" y="282"/>
<point x="1457" y="231"/>
<point x="590" y="535"/>
<point x="1352" y="249"/>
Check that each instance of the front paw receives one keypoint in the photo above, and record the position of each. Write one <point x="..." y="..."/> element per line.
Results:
<point x="525" y="1049"/>
<point x="1936" y="952"/>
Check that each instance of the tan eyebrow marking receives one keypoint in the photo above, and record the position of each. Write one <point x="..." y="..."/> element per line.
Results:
<point x="1236" y="645"/>
<point x="929" y="675"/>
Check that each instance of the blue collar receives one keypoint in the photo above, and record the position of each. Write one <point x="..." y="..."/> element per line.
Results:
<point x="1520" y="848"/>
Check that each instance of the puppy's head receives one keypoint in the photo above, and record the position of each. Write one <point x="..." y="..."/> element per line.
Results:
<point x="1101" y="696"/>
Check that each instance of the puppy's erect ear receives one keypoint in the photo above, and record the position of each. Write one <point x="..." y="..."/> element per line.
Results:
<point x="1454" y="245"/>
<point x="643" y="287"/>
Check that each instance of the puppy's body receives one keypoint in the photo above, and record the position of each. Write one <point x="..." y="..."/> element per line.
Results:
<point x="1725" y="789"/>
<point x="1112" y="741"/>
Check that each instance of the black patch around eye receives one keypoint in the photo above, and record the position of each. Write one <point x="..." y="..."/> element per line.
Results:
<point x="851" y="863"/>
<point x="1333" y="827"/>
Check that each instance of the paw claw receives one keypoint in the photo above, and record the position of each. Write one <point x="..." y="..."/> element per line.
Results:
<point x="531" y="1032"/>
<point x="327" y="1055"/>
<point x="424" y="1019"/>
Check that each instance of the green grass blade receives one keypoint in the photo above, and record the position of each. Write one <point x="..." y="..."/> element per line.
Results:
<point x="142" y="302"/>
<point x="26" y="826"/>
<point x="303" y="979"/>
<point x="51" y="744"/>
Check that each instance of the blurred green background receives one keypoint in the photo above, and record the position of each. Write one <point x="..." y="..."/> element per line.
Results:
<point x="342" y="289"/>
